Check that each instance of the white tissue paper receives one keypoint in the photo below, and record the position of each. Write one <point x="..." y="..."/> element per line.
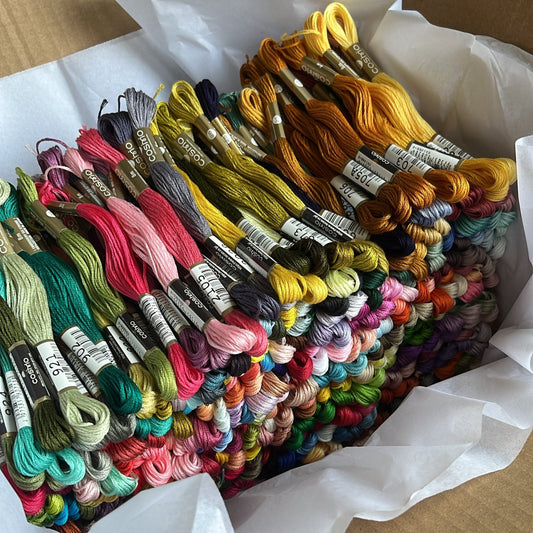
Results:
<point x="475" y="91"/>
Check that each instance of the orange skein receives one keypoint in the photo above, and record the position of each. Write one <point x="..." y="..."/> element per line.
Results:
<point x="493" y="174"/>
<point x="373" y="215"/>
<point x="285" y="160"/>
<point x="372" y="127"/>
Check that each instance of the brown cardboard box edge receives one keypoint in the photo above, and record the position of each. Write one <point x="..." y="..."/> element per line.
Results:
<point x="34" y="32"/>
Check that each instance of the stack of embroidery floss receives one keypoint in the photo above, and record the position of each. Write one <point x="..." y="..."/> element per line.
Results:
<point x="244" y="312"/>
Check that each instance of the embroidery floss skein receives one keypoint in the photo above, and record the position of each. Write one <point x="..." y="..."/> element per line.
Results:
<point x="494" y="175"/>
<point x="130" y="218"/>
<point x="120" y="391"/>
<point x="29" y="458"/>
<point x="23" y="294"/>
<point x="88" y="430"/>
<point x="124" y="274"/>
<point x="253" y="302"/>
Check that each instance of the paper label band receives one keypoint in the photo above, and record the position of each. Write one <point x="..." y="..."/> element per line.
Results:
<point x="442" y="143"/>
<point x="322" y="225"/>
<point x="130" y="150"/>
<point x="364" y="178"/>
<point x="336" y="61"/>
<point x="55" y="366"/>
<point x="27" y="372"/>
<point x="256" y="235"/>
<point x="22" y="235"/>
<point x="151" y="311"/>
<point x="285" y="243"/>
<point x="5" y="246"/>
<point x="318" y="71"/>
<point x="106" y="350"/>
<point x="18" y="402"/>
<point x="223" y="275"/>
<point x="190" y="151"/>
<point x="147" y="146"/>
<point x="88" y="382"/>
<point x="211" y="286"/>
<point x="189" y="304"/>
<point x="298" y="231"/>
<point x="130" y="178"/>
<point x="435" y="158"/>
<point x="375" y="163"/>
<point x="53" y="225"/>
<point x="120" y="347"/>
<point x="405" y="161"/>
<point x="362" y="61"/>
<point x="135" y="334"/>
<point x="216" y="247"/>
<point x="353" y="228"/>
<point x="84" y="349"/>
<point x="248" y="148"/>
<point x="6" y="409"/>
<point x="259" y="260"/>
<point x="102" y="190"/>
<point x="274" y="119"/>
<point x="89" y="193"/>
<point x="172" y="314"/>
<point x="211" y="134"/>
<point x="295" y="85"/>
<point x="348" y="191"/>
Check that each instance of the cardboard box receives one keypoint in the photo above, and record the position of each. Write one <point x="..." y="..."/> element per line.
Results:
<point x="34" y="32"/>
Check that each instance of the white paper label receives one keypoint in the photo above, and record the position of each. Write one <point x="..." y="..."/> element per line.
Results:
<point x="106" y="350"/>
<point x="121" y="344"/>
<point x="298" y="230"/>
<point x="211" y="286"/>
<point x="228" y="254"/>
<point x="55" y="366"/>
<point x="405" y="161"/>
<point x="88" y="382"/>
<point x="256" y="235"/>
<point x="366" y="179"/>
<point x="6" y="409"/>
<point x="365" y="159"/>
<point x="285" y="243"/>
<point x="442" y="143"/>
<point x="18" y="402"/>
<point x="435" y="158"/>
<point x="151" y="311"/>
<point x="348" y="191"/>
<point x="172" y="314"/>
<point x="227" y="137"/>
<point x="350" y="226"/>
<point x="84" y="349"/>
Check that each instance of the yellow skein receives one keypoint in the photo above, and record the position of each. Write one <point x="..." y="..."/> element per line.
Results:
<point x="421" y="234"/>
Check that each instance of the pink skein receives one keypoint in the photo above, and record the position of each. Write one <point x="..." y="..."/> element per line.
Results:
<point x="32" y="500"/>
<point x="173" y="238"/>
<point x="157" y="466"/>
